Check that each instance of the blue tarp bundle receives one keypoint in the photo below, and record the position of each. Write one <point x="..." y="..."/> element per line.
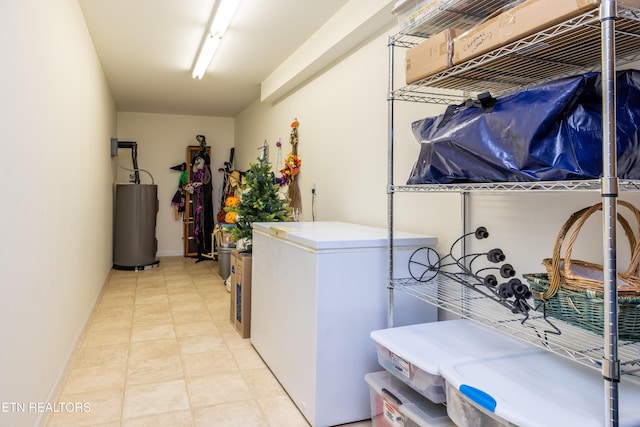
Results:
<point x="547" y="132"/>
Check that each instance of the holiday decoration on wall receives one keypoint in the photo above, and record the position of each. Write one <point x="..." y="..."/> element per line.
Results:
<point x="279" y="157"/>
<point x="264" y="151"/>
<point x="259" y="202"/>
<point x="290" y="171"/>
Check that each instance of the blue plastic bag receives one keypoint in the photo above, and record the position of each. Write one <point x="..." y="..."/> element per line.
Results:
<point x="547" y="132"/>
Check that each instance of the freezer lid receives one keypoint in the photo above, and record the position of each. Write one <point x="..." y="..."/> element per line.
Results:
<point x="322" y="235"/>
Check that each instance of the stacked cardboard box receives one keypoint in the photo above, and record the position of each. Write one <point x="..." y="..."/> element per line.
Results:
<point x="240" y="308"/>
<point x="453" y="46"/>
<point x="518" y="22"/>
<point x="433" y="55"/>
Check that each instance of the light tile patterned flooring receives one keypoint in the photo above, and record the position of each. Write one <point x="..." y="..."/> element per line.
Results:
<point x="159" y="350"/>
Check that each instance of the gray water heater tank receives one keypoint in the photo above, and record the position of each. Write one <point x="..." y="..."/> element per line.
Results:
<point x="134" y="235"/>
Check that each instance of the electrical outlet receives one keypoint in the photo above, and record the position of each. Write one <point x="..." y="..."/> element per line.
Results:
<point x="314" y="188"/>
<point x="114" y="147"/>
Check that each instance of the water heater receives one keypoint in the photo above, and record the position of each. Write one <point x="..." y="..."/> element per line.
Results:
<point x="134" y="241"/>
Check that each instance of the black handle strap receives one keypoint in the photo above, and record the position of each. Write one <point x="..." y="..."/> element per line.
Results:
<point x="484" y="101"/>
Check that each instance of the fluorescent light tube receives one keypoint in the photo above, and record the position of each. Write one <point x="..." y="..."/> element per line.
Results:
<point x="206" y="54"/>
<point x="224" y="13"/>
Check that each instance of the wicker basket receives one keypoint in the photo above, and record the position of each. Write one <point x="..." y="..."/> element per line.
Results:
<point x="585" y="309"/>
<point x="573" y="290"/>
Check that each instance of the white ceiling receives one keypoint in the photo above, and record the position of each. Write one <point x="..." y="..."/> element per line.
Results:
<point x="147" y="49"/>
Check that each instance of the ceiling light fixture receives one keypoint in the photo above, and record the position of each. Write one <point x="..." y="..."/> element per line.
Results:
<point x="224" y="13"/>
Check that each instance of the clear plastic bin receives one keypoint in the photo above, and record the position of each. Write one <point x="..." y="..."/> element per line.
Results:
<point x="533" y="389"/>
<point x="394" y="404"/>
<point x="414" y="353"/>
<point x="466" y="413"/>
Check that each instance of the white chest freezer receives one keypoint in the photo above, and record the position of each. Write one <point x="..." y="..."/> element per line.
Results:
<point x="319" y="289"/>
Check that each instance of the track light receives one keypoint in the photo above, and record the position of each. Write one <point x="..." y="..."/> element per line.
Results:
<point x="224" y="13"/>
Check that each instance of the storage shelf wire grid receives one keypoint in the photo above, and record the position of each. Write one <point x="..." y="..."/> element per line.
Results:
<point x="448" y="14"/>
<point x="573" y="343"/>
<point x="533" y="186"/>
<point x="562" y="50"/>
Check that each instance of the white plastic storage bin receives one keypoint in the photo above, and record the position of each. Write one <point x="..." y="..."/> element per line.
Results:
<point x="532" y="389"/>
<point x="466" y="413"/>
<point x="394" y="404"/>
<point x="414" y="353"/>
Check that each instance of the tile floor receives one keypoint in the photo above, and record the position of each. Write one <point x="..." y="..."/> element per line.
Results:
<point x="159" y="350"/>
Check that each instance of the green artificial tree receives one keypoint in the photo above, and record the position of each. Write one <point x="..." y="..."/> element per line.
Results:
<point x="260" y="202"/>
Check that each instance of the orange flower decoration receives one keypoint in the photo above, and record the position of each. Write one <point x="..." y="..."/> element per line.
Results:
<point x="291" y="169"/>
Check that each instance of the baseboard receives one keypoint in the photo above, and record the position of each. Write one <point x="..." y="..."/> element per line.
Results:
<point x="169" y="253"/>
<point x="43" y="418"/>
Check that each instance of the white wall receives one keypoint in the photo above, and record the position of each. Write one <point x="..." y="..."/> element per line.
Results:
<point x="343" y="145"/>
<point x="162" y="143"/>
<point x="56" y="118"/>
<point x="343" y="139"/>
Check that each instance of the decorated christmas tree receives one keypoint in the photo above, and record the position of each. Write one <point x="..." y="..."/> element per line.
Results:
<point x="260" y="201"/>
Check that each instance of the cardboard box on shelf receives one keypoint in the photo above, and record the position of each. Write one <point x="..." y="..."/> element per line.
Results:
<point x="520" y="21"/>
<point x="232" y="287"/>
<point x="433" y="55"/>
<point x="630" y="3"/>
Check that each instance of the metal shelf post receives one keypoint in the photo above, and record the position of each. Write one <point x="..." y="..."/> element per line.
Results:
<point x="611" y="364"/>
